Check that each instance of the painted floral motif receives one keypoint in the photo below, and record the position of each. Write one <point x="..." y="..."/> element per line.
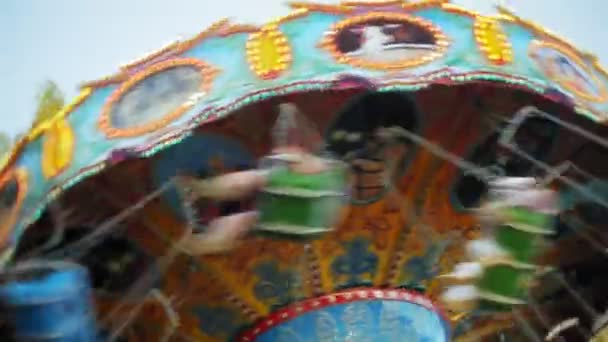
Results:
<point x="356" y="262"/>
<point x="216" y="321"/>
<point x="420" y="269"/>
<point x="275" y="286"/>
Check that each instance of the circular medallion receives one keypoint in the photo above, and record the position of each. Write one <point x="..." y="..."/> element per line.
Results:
<point x="385" y="41"/>
<point x="13" y="187"/>
<point x="567" y="69"/>
<point x="155" y="97"/>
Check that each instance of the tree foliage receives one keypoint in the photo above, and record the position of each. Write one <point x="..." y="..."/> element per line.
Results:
<point x="5" y="143"/>
<point x="50" y="101"/>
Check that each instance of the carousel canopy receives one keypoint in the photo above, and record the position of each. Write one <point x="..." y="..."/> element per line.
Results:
<point x="207" y="103"/>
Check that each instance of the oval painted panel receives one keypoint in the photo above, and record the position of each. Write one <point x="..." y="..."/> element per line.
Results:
<point x="385" y="41"/>
<point x="568" y="70"/>
<point x="13" y="187"/>
<point x="155" y="97"/>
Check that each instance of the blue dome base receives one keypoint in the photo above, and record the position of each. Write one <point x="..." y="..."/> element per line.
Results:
<point x="365" y="314"/>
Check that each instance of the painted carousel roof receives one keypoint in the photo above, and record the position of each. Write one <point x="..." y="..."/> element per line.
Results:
<point x="161" y="100"/>
<point x="154" y="101"/>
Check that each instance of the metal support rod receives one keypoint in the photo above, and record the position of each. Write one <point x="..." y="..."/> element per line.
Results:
<point x="588" y="308"/>
<point x="526" y="328"/>
<point x="81" y="246"/>
<point x="541" y="317"/>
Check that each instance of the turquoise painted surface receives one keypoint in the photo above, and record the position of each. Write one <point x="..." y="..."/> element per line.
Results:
<point x="520" y="39"/>
<point x="305" y="35"/>
<point x="309" y="63"/>
<point x="462" y="44"/>
<point x="363" y="321"/>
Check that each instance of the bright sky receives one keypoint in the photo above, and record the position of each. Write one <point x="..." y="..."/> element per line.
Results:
<point x="71" y="41"/>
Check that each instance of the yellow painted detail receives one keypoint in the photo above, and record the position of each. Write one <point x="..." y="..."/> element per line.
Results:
<point x="268" y="52"/>
<point x="60" y="115"/>
<point x="41" y="128"/>
<point x="57" y="148"/>
<point x="492" y="40"/>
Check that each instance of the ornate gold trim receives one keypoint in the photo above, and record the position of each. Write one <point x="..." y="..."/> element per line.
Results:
<point x="371" y="3"/>
<point x="151" y="55"/>
<point x="509" y="16"/>
<point x="324" y="8"/>
<point x="221" y="28"/>
<point x="346" y="7"/>
<point x="201" y="36"/>
<point x="423" y="4"/>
